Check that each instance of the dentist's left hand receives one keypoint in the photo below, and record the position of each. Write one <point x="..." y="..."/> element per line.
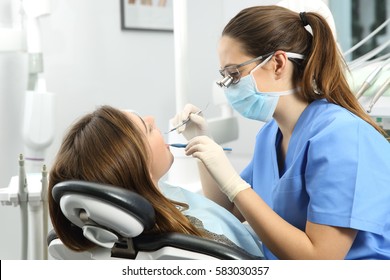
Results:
<point x="215" y="160"/>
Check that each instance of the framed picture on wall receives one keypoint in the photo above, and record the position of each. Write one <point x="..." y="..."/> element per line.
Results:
<point x="154" y="15"/>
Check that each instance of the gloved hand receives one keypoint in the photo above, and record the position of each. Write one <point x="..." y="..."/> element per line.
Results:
<point x="215" y="160"/>
<point x="195" y="127"/>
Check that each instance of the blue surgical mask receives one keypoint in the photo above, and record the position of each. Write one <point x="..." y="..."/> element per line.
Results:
<point x="249" y="101"/>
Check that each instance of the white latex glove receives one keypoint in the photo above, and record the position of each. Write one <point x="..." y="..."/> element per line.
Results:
<point x="195" y="127"/>
<point x="215" y="160"/>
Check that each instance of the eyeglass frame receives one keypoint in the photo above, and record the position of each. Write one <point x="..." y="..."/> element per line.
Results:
<point x="237" y="66"/>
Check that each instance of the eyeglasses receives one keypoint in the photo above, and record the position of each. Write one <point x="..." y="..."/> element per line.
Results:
<point x="231" y="74"/>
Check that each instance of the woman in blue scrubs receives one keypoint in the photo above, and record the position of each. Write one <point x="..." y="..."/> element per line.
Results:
<point x="318" y="185"/>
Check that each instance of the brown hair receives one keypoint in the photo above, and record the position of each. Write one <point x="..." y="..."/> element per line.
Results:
<point x="265" y="29"/>
<point x="106" y="147"/>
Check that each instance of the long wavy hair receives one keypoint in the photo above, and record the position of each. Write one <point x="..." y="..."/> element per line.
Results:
<point x="105" y="146"/>
<point x="265" y="29"/>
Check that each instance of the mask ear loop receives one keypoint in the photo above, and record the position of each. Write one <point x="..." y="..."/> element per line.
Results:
<point x="257" y="67"/>
<point x="262" y="63"/>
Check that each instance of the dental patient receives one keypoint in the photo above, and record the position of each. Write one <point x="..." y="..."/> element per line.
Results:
<point x="120" y="148"/>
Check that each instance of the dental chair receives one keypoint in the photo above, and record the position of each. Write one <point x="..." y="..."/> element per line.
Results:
<point x="115" y="219"/>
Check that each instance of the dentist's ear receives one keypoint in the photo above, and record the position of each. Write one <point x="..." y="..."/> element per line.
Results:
<point x="281" y="59"/>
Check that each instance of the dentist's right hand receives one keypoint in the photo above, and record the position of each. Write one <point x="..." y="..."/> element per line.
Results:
<point x="195" y="127"/>
<point x="215" y="160"/>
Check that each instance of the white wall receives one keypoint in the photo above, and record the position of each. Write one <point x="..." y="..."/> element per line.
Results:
<point x="90" y="61"/>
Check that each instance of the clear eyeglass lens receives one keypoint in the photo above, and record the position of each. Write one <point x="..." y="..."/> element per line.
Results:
<point x="231" y="72"/>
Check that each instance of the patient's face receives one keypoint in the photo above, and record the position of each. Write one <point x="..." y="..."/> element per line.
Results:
<point x="162" y="157"/>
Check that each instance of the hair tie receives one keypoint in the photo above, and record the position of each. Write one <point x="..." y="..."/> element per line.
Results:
<point x="302" y="15"/>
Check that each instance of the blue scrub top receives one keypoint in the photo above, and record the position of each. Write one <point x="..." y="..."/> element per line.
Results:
<point x="336" y="172"/>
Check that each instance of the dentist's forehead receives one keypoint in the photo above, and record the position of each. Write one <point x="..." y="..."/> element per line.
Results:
<point x="230" y="52"/>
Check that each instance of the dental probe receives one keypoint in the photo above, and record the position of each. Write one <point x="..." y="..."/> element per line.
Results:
<point x="379" y="93"/>
<point x="187" y="119"/>
<point x="177" y="145"/>
<point x="184" y="122"/>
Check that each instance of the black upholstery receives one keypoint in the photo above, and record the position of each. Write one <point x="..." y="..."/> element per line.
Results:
<point x="52" y="235"/>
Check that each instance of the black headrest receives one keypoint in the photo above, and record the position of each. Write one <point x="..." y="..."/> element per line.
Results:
<point x="129" y="201"/>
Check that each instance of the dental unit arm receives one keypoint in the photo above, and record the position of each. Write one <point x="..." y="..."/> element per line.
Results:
<point x="379" y="93"/>
<point x="374" y="92"/>
<point x="29" y="189"/>
<point x="38" y="124"/>
<point x="370" y="80"/>
<point x="29" y="192"/>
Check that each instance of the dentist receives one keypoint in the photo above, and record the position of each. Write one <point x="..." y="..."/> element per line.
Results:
<point x="318" y="185"/>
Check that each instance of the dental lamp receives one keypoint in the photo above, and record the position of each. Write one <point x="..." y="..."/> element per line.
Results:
<point x="29" y="189"/>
